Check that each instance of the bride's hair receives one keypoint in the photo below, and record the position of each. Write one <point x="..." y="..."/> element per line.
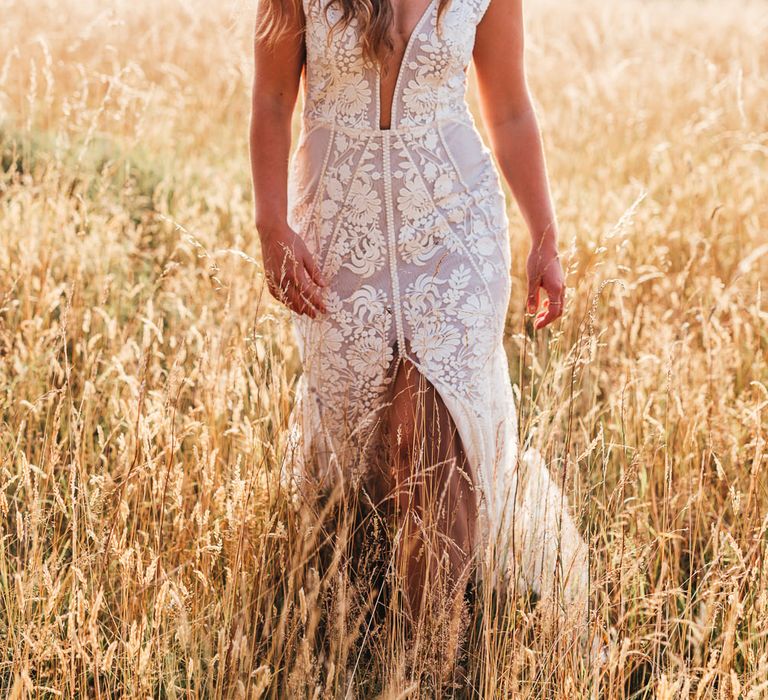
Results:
<point x="374" y="18"/>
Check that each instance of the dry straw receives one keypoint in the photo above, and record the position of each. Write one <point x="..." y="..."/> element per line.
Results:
<point x="147" y="545"/>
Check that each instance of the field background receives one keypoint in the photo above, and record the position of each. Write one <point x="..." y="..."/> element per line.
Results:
<point x="146" y="376"/>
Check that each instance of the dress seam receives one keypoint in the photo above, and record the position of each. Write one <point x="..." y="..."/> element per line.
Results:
<point x="392" y="247"/>
<point x="321" y="180"/>
<point x="334" y="234"/>
<point x="469" y="255"/>
<point x="505" y="228"/>
<point x="451" y="157"/>
<point x="365" y="131"/>
<point x="458" y="171"/>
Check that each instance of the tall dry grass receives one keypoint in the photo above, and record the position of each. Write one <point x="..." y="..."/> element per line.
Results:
<point x="146" y="547"/>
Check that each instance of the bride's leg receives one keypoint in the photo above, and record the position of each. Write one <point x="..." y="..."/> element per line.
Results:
<point x="433" y="490"/>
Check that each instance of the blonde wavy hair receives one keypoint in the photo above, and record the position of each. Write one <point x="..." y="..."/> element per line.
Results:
<point x="374" y="21"/>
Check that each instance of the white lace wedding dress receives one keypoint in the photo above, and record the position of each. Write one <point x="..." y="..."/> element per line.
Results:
<point x="409" y="224"/>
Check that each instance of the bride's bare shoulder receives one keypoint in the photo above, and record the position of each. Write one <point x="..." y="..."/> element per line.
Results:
<point x="500" y="31"/>
<point x="498" y="59"/>
<point x="279" y="43"/>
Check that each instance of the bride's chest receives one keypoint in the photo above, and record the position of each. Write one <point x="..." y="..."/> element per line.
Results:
<point x="428" y="50"/>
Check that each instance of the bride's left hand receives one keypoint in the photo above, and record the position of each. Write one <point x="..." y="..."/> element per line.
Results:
<point x="544" y="270"/>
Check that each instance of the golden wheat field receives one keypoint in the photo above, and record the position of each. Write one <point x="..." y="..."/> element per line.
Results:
<point x="147" y="548"/>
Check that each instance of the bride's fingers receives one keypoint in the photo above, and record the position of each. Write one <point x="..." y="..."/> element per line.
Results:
<point x="308" y="294"/>
<point x="299" y="304"/>
<point x="279" y="280"/>
<point x="281" y="285"/>
<point x="283" y="289"/>
<point x="552" y="309"/>
<point x="313" y="270"/>
<point x="533" y="298"/>
<point x="311" y="292"/>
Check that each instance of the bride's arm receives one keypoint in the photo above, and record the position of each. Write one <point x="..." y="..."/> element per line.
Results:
<point x="513" y="130"/>
<point x="292" y="275"/>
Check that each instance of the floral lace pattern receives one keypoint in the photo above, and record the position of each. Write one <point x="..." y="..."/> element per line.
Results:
<point x="409" y="225"/>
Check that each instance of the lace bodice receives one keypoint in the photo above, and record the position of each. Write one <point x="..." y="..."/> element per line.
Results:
<point x="431" y="81"/>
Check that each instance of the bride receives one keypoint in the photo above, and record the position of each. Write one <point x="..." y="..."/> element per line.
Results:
<point x="386" y="235"/>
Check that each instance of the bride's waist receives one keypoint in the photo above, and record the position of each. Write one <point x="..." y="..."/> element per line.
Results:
<point x="310" y="123"/>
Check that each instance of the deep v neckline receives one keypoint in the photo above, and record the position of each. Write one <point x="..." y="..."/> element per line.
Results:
<point x="393" y="103"/>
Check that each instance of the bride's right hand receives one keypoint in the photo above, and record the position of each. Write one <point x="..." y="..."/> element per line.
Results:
<point x="293" y="277"/>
